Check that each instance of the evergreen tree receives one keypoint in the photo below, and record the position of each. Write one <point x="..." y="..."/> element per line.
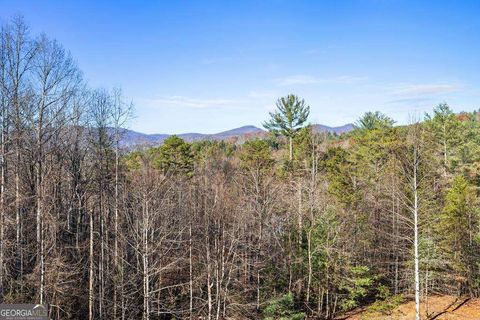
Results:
<point x="256" y="155"/>
<point x="290" y="116"/>
<point x="374" y="120"/>
<point x="444" y="126"/>
<point x="459" y="232"/>
<point x="173" y="156"/>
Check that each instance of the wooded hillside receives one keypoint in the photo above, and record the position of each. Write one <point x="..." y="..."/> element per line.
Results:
<point x="299" y="224"/>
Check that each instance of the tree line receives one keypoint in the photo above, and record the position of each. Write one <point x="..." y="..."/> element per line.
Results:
<point x="297" y="224"/>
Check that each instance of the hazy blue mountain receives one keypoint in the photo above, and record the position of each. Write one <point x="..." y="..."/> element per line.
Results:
<point x="337" y="130"/>
<point x="132" y="138"/>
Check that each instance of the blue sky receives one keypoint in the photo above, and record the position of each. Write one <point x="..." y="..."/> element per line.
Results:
<point x="208" y="66"/>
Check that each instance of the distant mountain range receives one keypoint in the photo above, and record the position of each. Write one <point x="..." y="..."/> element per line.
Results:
<point x="336" y="130"/>
<point x="132" y="138"/>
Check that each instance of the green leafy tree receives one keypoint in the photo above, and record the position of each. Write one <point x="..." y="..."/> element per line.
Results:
<point x="357" y="285"/>
<point x="282" y="309"/>
<point x="371" y="149"/>
<point x="133" y="160"/>
<point x="444" y="126"/>
<point x="467" y="159"/>
<point x="290" y="116"/>
<point x="321" y="252"/>
<point x="385" y="302"/>
<point x="307" y="146"/>
<point x="459" y="232"/>
<point x="337" y="166"/>
<point x="208" y="149"/>
<point x="173" y="156"/>
<point x="256" y="154"/>
<point x="374" y="120"/>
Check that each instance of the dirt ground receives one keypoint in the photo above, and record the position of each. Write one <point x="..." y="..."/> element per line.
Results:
<point x="439" y="308"/>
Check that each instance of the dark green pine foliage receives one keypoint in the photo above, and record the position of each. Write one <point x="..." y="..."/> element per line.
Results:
<point x="173" y="156"/>
<point x="444" y="125"/>
<point x="374" y="120"/>
<point x="256" y="154"/>
<point x="460" y="238"/>
<point x="290" y="116"/>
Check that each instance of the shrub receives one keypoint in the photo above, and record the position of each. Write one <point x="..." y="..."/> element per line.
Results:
<point x="282" y="308"/>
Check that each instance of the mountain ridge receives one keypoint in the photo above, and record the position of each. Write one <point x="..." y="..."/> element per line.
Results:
<point x="131" y="138"/>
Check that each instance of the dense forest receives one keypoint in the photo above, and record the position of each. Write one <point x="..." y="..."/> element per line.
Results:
<point x="297" y="224"/>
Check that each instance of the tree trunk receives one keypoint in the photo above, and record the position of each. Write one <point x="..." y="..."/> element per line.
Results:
<point x="415" y="230"/>
<point x="90" y="269"/>
<point x="18" y="221"/>
<point x="2" y="208"/>
<point x="290" y="141"/>
<point x="190" y="269"/>
<point x="146" y="281"/>
<point x="445" y="156"/>
<point x="39" y="217"/>
<point x="115" y="249"/>
<point x="309" y="280"/>
<point x="209" y="276"/>
<point x="300" y="216"/>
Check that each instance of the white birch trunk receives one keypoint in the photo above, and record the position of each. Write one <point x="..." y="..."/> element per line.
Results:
<point x="415" y="230"/>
